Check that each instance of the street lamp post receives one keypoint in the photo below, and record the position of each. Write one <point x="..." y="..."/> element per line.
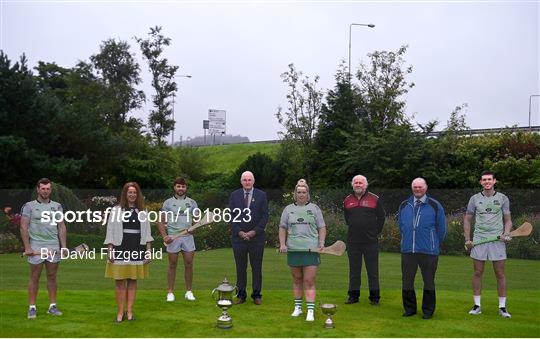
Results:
<point x="530" y="100"/>
<point x="174" y="121"/>
<point x="350" y="34"/>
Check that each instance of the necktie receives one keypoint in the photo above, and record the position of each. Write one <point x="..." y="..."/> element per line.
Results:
<point x="418" y="202"/>
<point x="246" y="200"/>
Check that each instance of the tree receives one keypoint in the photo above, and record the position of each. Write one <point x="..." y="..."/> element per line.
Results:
<point x="268" y="173"/>
<point x="338" y="119"/>
<point x="456" y="122"/>
<point x="301" y="117"/>
<point x="163" y="82"/>
<point x="119" y="72"/>
<point x="28" y="121"/>
<point x="381" y="84"/>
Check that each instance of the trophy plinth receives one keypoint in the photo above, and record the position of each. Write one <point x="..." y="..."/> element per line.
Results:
<point x="329" y="310"/>
<point x="224" y="321"/>
<point x="224" y="298"/>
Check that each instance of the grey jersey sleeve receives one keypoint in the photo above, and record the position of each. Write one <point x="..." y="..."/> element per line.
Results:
<point x="26" y="210"/>
<point x="165" y="206"/>
<point x="194" y="207"/>
<point x="284" y="221"/>
<point x="471" y="207"/>
<point x="505" y="205"/>
<point x="319" y="217"/>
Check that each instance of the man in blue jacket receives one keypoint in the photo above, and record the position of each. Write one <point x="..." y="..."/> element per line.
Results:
<point x="422" y="225"/>
<point x="249" y="211"/>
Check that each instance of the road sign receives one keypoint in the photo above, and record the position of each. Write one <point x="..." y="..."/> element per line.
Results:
<point x="217" y="121"/>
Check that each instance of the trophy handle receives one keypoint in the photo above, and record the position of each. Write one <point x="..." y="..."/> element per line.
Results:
<point x="235" y="291"/>
<point x="214" y="292"/>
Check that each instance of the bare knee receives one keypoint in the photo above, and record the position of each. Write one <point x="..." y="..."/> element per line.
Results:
<point x="173" y="264"/>
<point x="478" y="272"/>
<point x="51" y="278"/>
<point x="309" y="283"/>
<point x="499" y="275"/>
<point x="120" y="284"/>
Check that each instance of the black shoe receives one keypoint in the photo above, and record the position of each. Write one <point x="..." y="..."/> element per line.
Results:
<point x="374" y="302"/>
<point x="408" y="314"/>
<point x="351" y="301"/>
<point x="427" y="316"/>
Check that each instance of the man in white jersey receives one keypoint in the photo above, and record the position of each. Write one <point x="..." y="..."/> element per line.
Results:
<point x="492" y="218"/>
<point x="179" y="216"/>
<point x="42" y="244"/>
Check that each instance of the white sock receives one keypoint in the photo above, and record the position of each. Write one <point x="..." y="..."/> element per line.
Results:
<point x="476" y="299"/>
<point x="32" y="307"/>
<point x="502" y="302"/>
<point x="52" y="304"/>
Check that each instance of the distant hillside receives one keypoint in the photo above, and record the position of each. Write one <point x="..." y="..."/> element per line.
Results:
<point x="227" y="158"/>
<point x="219" y="139"/>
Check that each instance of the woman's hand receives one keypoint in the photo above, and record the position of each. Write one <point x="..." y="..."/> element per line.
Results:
<point x="110" y="256"/>
<point x="282" y="248"/>
<point x="147" y="256"/>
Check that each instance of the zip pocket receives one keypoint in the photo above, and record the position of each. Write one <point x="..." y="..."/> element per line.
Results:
<point x="432" y="240"/>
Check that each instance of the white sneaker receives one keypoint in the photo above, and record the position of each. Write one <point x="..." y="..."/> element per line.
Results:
<point x="504" y="313"/>
<point x="310" y="315"/>
<point x="170" y="296"/>
<point x="297" y="311"/>
<point x="189" y="296"/>
<point x="476" y="310"/>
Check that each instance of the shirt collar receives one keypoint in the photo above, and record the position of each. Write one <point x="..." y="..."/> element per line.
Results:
<point x="482" y="192"/>
<point x="46" y="202"/>
<point x="422" y="199"/>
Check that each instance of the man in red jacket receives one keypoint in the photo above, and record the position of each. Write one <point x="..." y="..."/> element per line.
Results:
<point x="364" y="215"/>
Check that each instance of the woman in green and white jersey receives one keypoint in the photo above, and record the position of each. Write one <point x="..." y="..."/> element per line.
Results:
<point x="302" y="228"/>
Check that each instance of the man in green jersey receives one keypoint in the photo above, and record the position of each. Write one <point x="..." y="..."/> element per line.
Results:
<point x="179" y="211"/>
<point x="491" y="210"/>
<point x="43" y="241"/>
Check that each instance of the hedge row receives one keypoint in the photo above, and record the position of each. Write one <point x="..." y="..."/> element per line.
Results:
<point x="218" y="236"/>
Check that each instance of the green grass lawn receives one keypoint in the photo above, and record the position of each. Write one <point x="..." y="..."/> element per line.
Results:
<point x="87" y="300"/>
<point x="227" y="158"/>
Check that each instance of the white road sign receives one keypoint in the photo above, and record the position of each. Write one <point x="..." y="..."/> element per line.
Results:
<point x="217" y="121"/>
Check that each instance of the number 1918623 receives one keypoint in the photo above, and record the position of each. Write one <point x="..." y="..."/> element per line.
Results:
<point x="219" y="214"/>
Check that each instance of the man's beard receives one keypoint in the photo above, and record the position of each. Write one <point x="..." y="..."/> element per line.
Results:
<point x="359" y="191"/>
<point x="44" y="197"/>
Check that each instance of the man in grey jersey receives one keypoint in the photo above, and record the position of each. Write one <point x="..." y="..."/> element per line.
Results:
<point x="491" y="210"/>
<point x="180" y="209"/>
<point x="43" y="241"/>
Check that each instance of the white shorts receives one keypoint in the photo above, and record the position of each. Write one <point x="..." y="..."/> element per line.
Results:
<point x="53" y="256"/>
<point x="186" y="244"/>
<point x="492" y="251"/>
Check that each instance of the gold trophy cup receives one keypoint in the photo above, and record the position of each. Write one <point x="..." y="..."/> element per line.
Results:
<point x="223" y="295"/>
<point x="329" y="310"/>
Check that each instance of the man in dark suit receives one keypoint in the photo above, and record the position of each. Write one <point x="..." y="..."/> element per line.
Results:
<point x="248" y="235"/>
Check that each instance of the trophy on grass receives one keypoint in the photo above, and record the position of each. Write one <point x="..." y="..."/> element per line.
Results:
<point x="329" y="310"/>
<point x="223" y="295"/>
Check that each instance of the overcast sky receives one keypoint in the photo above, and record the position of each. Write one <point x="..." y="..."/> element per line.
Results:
<point x="485" y="54"/>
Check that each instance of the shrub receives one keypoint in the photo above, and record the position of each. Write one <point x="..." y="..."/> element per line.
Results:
<point x="268" y="173"/>
<point x="9" y="243"/>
